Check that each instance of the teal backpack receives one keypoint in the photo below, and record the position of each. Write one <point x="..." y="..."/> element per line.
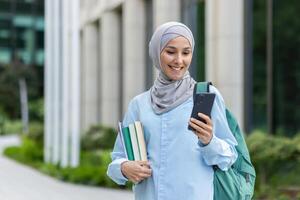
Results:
<point x="237" y="183"/>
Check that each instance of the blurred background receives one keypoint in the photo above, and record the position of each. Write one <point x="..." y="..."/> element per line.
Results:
<point x="68" y="69"/>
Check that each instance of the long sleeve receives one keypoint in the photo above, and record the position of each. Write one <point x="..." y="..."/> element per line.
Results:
<point x="221" y="149"/>
<point x="118" y="155"/>
<point x="114" y="168"/>
<point x="181" y="169"/>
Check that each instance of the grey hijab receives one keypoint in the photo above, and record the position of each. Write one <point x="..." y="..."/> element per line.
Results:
<point x="167" y="94"/>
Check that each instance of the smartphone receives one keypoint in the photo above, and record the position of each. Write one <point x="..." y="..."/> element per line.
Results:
<point x="203" y="103"/>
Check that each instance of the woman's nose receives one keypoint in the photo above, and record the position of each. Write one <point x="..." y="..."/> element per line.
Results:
<point x="179" y="59"/>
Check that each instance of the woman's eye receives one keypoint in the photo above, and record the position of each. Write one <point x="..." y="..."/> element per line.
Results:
<point x="186" y="53"/>
<point x="170" y="52"/>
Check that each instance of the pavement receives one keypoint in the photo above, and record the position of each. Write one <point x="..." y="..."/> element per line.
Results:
<point x="20" y="182"/>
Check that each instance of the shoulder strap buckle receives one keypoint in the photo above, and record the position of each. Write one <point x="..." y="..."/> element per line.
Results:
<point x="201" y="87"/>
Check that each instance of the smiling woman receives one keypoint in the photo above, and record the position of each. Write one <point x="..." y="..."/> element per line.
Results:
<point x="180" y="161"/>
<point x="176" y="58"/>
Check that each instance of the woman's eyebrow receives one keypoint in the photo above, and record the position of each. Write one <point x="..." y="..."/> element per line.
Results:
<point x="172" y="47"/>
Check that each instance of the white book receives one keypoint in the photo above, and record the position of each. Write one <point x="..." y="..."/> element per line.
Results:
<point x="141" y="140"/>
<point x="122" y="138"/>
<point x="134" y="142"/>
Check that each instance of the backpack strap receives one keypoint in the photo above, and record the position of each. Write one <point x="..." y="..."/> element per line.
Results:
<point x="201" y="87"/>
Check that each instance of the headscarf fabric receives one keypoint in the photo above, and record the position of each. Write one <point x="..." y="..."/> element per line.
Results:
<point x="167" y="94"/>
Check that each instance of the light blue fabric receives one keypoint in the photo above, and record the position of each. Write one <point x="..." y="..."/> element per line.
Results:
<point x="181" y="165"/>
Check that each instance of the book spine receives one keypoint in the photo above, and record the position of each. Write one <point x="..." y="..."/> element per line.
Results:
<point x="134" y="142"/>
<point x="127" y="142"/>
<point x="122" y="138"/>
<point x="141" y="140"/>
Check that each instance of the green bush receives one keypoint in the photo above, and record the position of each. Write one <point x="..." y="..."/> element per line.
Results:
<point x="277" y="162"/>
<point x="15" y="153"/>
<point x="12" y="126"/>
<point x="91" y="171"/>
<point x="36" y="110"/>
<point x="98" y="137"/>
<point x="2" y="122"/>
<point x="29" y="152"/>
<point x="49" y="169"/>
<point x="36" y="132"/>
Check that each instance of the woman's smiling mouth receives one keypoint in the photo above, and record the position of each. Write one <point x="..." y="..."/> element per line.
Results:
<point x="175" y="68"/>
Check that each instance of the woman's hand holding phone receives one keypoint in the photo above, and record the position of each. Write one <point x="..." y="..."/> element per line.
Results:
<point x="204" y="130"/>
<point x="200" y="122"/>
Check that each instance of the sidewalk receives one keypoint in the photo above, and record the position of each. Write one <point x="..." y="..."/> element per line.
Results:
<point x="19" y="182"/>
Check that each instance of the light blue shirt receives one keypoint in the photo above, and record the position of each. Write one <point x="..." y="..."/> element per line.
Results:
<point x="181" y="165"/>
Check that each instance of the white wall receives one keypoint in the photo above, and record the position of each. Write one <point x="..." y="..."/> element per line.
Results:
<point x="90" y="77"/>
<point x="110" y="68"/>
<point x="134" y="50"/>
<point x="224" y="51"/>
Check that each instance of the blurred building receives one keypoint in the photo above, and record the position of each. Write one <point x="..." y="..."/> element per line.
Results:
<point x="97" y="60"/>
<point x="114" y="44"/>
<point x="22" y="31"/>
<point x="114" y="65"/>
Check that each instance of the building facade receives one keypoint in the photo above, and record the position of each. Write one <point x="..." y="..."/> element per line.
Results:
<point x="97" y="60"/>
<point x="115" y="63"/>
<point x="22" y="31"/>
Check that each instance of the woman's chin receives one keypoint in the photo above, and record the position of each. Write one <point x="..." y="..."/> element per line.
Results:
<point x="176" y="77"/>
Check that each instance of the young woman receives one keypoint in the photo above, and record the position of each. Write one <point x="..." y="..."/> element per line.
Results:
<point x="180" y="161"/>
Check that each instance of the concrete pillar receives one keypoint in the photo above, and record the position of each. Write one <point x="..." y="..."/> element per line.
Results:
<point x="164" y="11"/>
<point x="90" y="77"/>
<point x="75" y="85"/>
<point x="62" y="83"/>
<point x="134" y="50"/>
<point x="48" y="74"/>
<point x="82" y="70"/>
<point x="57" y="82"/>
<point x="224" y="51"/>
<point x="110" y="67"/>
<point x="65" y="84"/>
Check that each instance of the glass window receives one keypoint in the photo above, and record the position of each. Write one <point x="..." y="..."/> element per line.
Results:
<point x="23" y="8"/>
<point x="5" y="40"/>
<point x="5" y="6"/>
<point x="39" y="23"/>
<point x="193" y="15"/>
<point x="4" y="33"/>
<point x="23" y="21"/>
<point x="5" y="23"/>
<point x="21" y="37"/>
<point x="24" y="55"/>
<point x="259" y="65"/>
<point x="39" y="39"/>
<point x="39" y="57"/>
<point x="5" y="55"/>
<point x="285" y="66"/>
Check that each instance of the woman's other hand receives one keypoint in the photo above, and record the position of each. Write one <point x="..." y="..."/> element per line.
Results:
<point x="136" y="171"/>
<point x="204" y="131"/>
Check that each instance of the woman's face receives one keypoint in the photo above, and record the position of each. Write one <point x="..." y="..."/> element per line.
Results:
<point x="176" y="57"/>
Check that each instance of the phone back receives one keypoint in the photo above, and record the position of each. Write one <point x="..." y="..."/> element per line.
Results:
<point x="203" y="103"/>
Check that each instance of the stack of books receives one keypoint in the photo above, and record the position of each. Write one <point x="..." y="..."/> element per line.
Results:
<point x="133" y="141"/>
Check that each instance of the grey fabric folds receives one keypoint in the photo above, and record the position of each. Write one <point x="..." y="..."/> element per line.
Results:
<point x="166" y="94"/>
